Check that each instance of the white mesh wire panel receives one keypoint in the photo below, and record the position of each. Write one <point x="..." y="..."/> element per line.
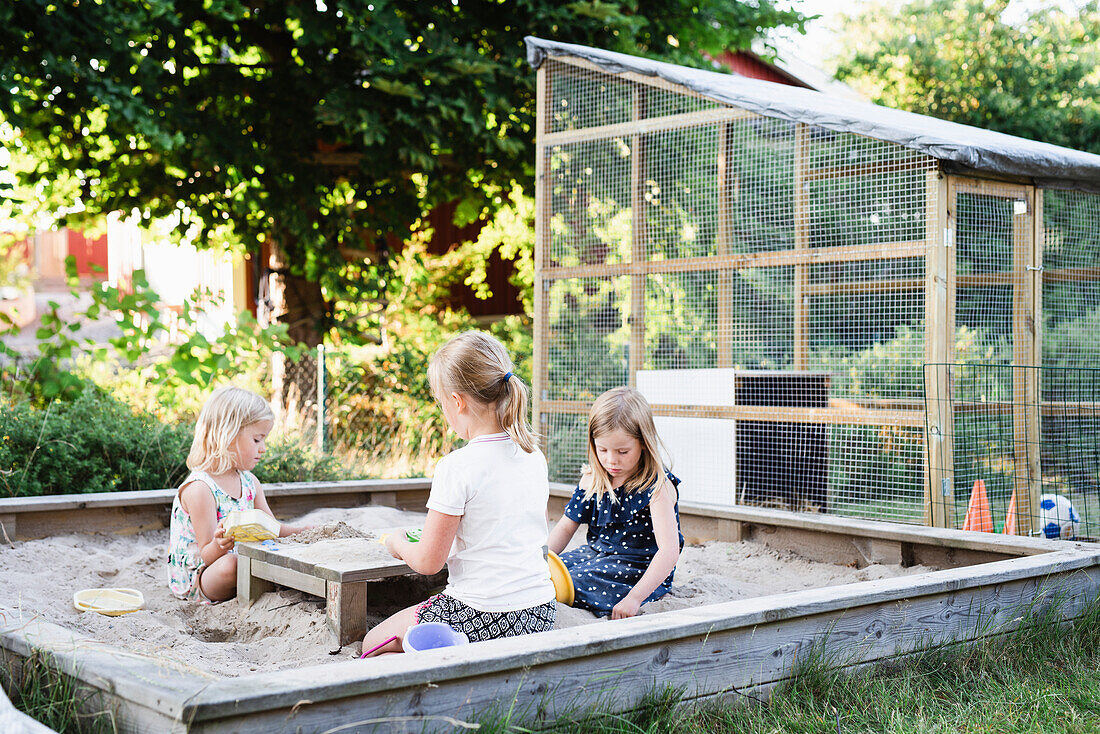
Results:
<point x="1071" y="279"/>
<point x="986" y="277"/>
<point x="758" y="191"/>
<point x="1025" y="422"/>
<point x="580" y="99"/>
<point x="1070" y="380"/>
<point x="1007" y="443"/>
<point x="679" y="192"/>
<point x="760" y="281"/>
<point x="993" y="226"/>
<point x="590" y="203"/>
<point x="583" y="98"/>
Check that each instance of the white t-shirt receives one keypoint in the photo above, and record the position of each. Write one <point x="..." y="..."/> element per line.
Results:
<point x="496" y="562"/>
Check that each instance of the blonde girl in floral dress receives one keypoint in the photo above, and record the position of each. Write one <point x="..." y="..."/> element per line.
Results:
<point x="229" y="442"/>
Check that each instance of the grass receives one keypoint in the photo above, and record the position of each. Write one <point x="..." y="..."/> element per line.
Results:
<point x="1044" y="676"/>
<point x="60" y="702"/>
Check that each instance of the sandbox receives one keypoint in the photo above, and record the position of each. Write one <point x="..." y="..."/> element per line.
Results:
<point x="983" y="585"/>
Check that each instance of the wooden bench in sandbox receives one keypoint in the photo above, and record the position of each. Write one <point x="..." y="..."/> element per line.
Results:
<point x="336" y="570"/>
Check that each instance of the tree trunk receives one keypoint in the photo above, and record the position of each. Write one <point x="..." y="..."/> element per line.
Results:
<point x="299" y="303"/>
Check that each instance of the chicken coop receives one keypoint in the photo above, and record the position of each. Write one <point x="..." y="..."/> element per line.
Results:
<point x="807" y="290"/>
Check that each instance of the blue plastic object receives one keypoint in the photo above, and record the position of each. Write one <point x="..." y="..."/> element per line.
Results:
<point x="430" y="635"/>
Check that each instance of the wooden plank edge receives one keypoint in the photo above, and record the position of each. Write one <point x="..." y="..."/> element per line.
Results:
<point x="240" y="695"/>
<point x="286" y="576"/>
<point x="858" y="527"/>
<point x="266" y="690"/>
<point x="711" y="663"/>
<point x="14" y="505"/>
<point x="146" y="681"/>
<point x="854" y="667"/>
<point x="645" y="126"/>
<point x="836" y="414"/>
<point x="270" y="560"/>
<point x="744" y="260"/>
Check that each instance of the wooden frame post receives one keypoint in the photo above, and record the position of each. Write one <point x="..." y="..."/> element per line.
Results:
<point x="1038" y="240"/>
<point x="724" y="325"/>
<point x="249" y="586"/>
<point x="540" y="362"/>
<point x="637" y="240"/>
<point x="346" y="611"/>
<point x="725" y="276"/>
<point x="1025" y="379"/>
<point x="939" y="347"/>
<point x="801" y="244"/>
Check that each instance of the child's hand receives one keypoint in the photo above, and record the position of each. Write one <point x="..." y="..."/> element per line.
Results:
<point x="285" y="530"/>
<point x="221" y="540"/>
<point x="391" y="545"/>
<point x="625" y="608"/>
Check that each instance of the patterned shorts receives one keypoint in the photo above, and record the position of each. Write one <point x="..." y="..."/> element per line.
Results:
<point x="477" y="625"/>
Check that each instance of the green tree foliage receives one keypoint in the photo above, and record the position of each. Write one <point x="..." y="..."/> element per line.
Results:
<point x="315" y="126"/>
<point x="966" y="62"/>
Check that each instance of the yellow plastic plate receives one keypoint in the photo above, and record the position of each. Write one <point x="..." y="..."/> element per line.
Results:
<point x="563" y="582"/>
<point x="111" y="602"/>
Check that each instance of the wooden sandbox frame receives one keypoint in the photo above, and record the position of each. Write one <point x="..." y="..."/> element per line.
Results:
<point x="710" y="652"/>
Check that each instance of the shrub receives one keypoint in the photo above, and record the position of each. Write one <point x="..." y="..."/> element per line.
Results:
<point x="93" y="443"/>
<point x="290" y="460"/>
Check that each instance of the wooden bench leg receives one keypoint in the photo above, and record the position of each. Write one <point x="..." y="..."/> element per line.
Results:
<point x="346" y="611"/>
<point x="249" y="587"/>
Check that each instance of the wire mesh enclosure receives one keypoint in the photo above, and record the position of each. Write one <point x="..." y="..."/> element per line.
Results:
<point x="1020" y="461"/>
<point x="774" y="288"/>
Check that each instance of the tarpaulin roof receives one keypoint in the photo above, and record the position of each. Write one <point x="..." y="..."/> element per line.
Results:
<point x="968" y="148"/>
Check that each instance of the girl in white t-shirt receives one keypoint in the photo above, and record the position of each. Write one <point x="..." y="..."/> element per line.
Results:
<point x="487" y="508"/>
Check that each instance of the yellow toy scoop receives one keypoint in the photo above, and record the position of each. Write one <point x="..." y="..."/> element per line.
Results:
<point x="563" y="582"/>
<point x="111" y="602"/>
<point x="250" y="525"/>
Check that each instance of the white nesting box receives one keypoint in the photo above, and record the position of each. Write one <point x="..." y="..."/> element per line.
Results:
<point x="702" y="450"/>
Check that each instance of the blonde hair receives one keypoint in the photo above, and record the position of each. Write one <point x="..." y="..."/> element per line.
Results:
<point x="623" y="409"/>
<point x="478" y="366"/>
<point x="226" y="412"/>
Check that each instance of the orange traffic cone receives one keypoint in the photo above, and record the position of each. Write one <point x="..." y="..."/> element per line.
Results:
<point x="978" y="515"/>
<point x="1010" y="518"/>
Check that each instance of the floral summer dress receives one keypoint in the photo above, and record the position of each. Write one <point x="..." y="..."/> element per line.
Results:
<point x="184" y="560"/>
<point x="621" y="545"/>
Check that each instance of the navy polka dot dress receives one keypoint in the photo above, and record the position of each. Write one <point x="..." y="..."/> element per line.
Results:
<point x="620" y="547"/>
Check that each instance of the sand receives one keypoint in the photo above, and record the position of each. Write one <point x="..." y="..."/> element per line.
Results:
<point x="285" y="628"/>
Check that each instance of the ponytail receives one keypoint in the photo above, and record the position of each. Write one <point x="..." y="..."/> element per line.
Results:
<point x="512" y="412"/>
<point x="477" y="365"/>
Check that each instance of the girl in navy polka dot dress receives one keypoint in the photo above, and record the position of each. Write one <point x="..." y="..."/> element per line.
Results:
<point x="628" y="500"/>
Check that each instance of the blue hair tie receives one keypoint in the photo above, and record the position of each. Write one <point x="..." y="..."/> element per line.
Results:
<point x="507" y="376"/>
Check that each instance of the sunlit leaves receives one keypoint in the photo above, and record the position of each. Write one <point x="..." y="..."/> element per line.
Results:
<point x="973" y="62"/>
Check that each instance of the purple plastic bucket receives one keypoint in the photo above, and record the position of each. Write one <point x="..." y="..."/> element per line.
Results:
<point x="430" y="635"/>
